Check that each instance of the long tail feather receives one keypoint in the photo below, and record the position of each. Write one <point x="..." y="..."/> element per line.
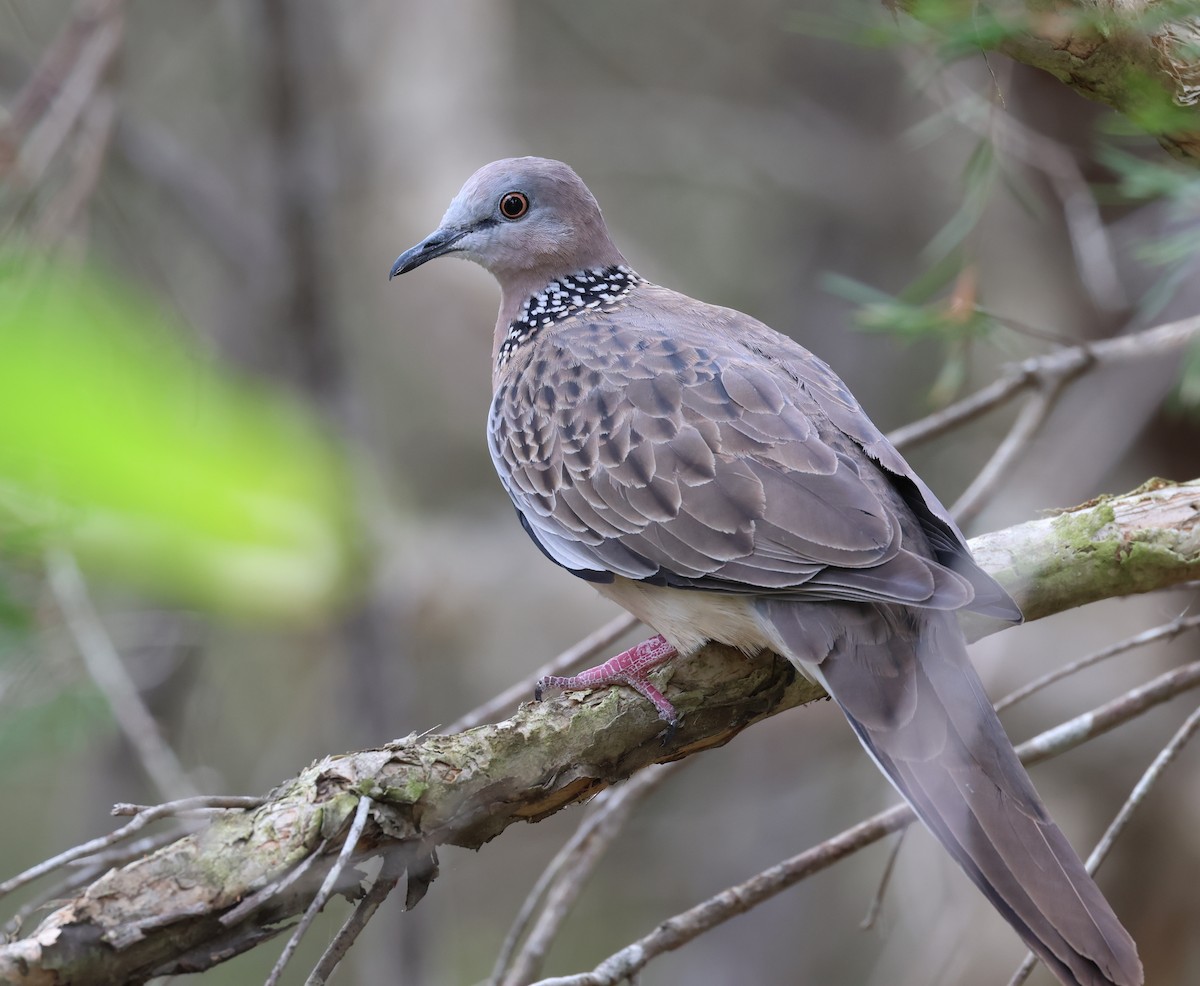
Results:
<point x="903" y="680"/>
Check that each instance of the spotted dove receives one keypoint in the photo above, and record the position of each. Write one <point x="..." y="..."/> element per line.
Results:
<point x="721" y="483"/>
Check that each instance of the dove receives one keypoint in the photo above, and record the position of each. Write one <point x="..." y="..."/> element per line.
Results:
<point x="720" y="482"/>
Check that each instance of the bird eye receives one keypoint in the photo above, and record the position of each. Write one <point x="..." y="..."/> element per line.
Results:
<point x="513" y="205"/>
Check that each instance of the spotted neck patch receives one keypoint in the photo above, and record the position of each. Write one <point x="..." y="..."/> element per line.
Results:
<point x="596" y="287"/>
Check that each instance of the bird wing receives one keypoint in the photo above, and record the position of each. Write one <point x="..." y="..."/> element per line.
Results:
<point x="706" y="451"/>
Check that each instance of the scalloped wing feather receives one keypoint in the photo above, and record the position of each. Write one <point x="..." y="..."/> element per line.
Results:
<point x="692" y="446"/>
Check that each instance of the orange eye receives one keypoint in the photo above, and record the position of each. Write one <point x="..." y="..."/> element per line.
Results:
<point x="513" y="205"/>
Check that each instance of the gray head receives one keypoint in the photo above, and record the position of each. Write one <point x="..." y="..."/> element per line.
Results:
<point x="526" y="220"/>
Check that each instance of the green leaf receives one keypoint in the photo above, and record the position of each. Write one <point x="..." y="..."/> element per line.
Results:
<point x="152" y="465"/>
<point x="1170" y="249"/>
<point x="852" y="289"/>
<point x="934" y="279"/>
<point x="1140" y="180"/>
<point x="860" y="26"/>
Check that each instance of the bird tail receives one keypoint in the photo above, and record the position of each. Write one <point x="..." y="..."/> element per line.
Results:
<point x="904" y="681"/>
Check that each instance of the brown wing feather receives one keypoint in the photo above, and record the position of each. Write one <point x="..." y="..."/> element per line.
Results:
<point x="709" y="461"/>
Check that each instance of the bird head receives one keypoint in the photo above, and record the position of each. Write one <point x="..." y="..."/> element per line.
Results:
<point x="520" y="218"/>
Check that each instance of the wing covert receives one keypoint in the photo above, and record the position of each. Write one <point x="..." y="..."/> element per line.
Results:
<point x="690" y="464"/>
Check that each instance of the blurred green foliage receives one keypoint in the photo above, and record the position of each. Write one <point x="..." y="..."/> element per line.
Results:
<point x="153" y="466"/>
<point x="951" y="30"/>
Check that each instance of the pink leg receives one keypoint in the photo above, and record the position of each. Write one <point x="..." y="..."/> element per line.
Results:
<point x="628" y="668"/>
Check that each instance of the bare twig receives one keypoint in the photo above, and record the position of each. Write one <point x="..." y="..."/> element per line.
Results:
<point x="586" y="649"/>
<point x="562" y="881"/>
<point x="1130" y="64"/>
<point x="108" y="672"/>
<point x="1168" y="631"/>
<point x="1029" y="422"/>
<point x="120" y="854"/>
<point x="91" y="148"/>
<point x="140" y="821"/>
<point x="1147" y="781"/>
<point x="84" y="872"/>
<point x="1090" y="243"/>
<point x="1061" y="365"/>
<point x="273" y="889"/>
<point x="196" y="804"/>
<point x="48" y="79"/>
<point x="361" y="814"/>
<point x="885" y="879"/>
<point x="1100" y="720"/>
<point x="683" y="928"/>
<point x="385" y="882"/>
<point x="75" y="91"/>
<point x="995" y="394"/>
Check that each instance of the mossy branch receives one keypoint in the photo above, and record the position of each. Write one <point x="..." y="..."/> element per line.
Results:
<point x="1141" y="57"/>
<point x="178" y="910"/>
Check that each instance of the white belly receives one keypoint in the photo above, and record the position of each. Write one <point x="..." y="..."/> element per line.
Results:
<point x="689" y="618"/>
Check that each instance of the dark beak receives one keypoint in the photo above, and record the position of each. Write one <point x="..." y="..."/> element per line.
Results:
<point x="436" y="244"/>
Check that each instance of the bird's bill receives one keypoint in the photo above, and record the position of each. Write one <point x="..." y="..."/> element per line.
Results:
<point x="436" y="244"/>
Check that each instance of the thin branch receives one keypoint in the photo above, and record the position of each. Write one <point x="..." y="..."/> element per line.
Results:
<point x="1029" y="422"/>
<point x="196" y="804"/>
<point x="1058" y="366"/>
<point x="995" y="394"/>
<point x="45" y="85"/>
<point x="574" y="655"/>
<point x="85" y="871"/>
<point x="563" y="880"/>
<point x="385" y="882"/>
<point x="108" y="672"/>
<point x="1089" y="725"/>
<point x="885" y="880"/>
<point x="1090" y="243"/>
<point x="91" y="149"/>
<point x="142" y="819"/>
<point x="1138" y="63"/>
<point x="1145" y="783"/>
<point x="361" y="814"/>
<point x="76" y="90"/>
<point x="683" y="928"/>
<point x="275" y="888"/>
<point x="1168" y="631"/>
<point x="465" y="789"/>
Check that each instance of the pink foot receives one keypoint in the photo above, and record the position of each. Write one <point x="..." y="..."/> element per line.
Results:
<point x="628" y="668"/>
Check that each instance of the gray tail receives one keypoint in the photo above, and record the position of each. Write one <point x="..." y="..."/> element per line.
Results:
<point x="903" y="680"/>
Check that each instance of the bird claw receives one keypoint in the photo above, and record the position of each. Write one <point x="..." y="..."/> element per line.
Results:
<point x="630" y="668"/>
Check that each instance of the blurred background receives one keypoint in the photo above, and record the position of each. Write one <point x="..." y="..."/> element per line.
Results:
<point x="248" y="171"/>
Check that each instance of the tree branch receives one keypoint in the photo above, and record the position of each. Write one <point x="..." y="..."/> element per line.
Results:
<point x="677" y="931"/>
<point x="162" y="914"/>
<point x="1138" y="56"/>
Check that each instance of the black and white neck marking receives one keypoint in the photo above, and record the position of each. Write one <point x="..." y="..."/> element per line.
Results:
<point x="562" y="298"/>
